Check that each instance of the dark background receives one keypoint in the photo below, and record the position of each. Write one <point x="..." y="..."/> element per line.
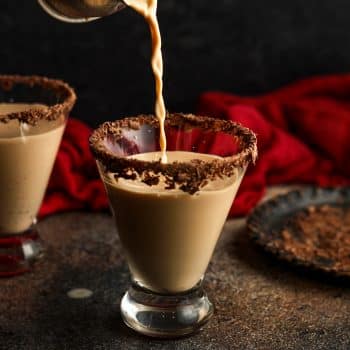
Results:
<point x="242" y="46"/>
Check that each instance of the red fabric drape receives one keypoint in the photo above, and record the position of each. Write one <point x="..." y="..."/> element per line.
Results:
<point x="303" y="134"/>
<point x="303" y="137"/>
<point x="74" y="183"/>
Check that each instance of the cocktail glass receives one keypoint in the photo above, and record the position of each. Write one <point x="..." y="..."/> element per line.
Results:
<point x="33" y="114"/>
<point x="169" y="216"/>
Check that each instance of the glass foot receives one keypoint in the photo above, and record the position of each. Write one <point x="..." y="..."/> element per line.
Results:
<point x="19" y="252"/>
<point x="165" y="316"/>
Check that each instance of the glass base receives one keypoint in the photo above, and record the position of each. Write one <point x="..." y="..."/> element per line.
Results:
<point x="19" y="252"/>
<point x="165" y="316"/>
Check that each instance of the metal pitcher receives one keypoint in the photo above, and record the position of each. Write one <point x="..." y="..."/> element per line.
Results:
<point x="77" y="11"/>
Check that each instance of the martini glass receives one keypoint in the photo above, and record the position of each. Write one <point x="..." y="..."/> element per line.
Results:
<point x="169" y="216"/>
<point x="33" y="114"/>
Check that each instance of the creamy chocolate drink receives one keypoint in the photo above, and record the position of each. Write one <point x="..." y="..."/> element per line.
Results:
<point x="169" y="235"/>
<point x="169" y="216"/>
<point x="33" y="114"/>
<point x="27" y="155"/>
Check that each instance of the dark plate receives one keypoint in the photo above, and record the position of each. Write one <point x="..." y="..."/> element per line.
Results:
<point x="266" y="222"/>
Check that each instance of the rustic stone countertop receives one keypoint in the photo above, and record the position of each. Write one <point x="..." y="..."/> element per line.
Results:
<point x="260" y="302"/>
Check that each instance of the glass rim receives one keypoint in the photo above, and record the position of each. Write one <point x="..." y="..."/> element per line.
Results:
<point x="62" y="90"/>
<point x="190" y="176"/>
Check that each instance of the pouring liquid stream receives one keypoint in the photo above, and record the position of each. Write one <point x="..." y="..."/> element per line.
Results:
<point x="87" y="10"/>
<point x="148" y="9"/>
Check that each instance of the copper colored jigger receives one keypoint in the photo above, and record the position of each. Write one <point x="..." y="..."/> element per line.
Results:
<point x="77" y="11"/>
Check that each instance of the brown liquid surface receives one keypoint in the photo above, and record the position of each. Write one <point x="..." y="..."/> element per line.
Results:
<point x="169" y="236"/>
<point x="27" y="155"/>
<point x="148" y="9"/>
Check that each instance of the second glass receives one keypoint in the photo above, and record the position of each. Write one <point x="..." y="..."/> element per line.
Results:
<point x="33" y="115"/>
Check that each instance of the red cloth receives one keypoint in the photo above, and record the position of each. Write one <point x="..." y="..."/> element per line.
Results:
<point x="303" y="134"/>
<point x="303" y="137"/>
<point x="75" y="183"/>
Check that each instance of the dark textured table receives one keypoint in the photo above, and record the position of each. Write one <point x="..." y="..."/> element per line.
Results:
<point x="260" y="302"/>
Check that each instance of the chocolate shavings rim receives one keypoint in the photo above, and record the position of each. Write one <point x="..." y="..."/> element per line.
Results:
<point x="62" y="90"/>
<point x="188" y="176"/>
